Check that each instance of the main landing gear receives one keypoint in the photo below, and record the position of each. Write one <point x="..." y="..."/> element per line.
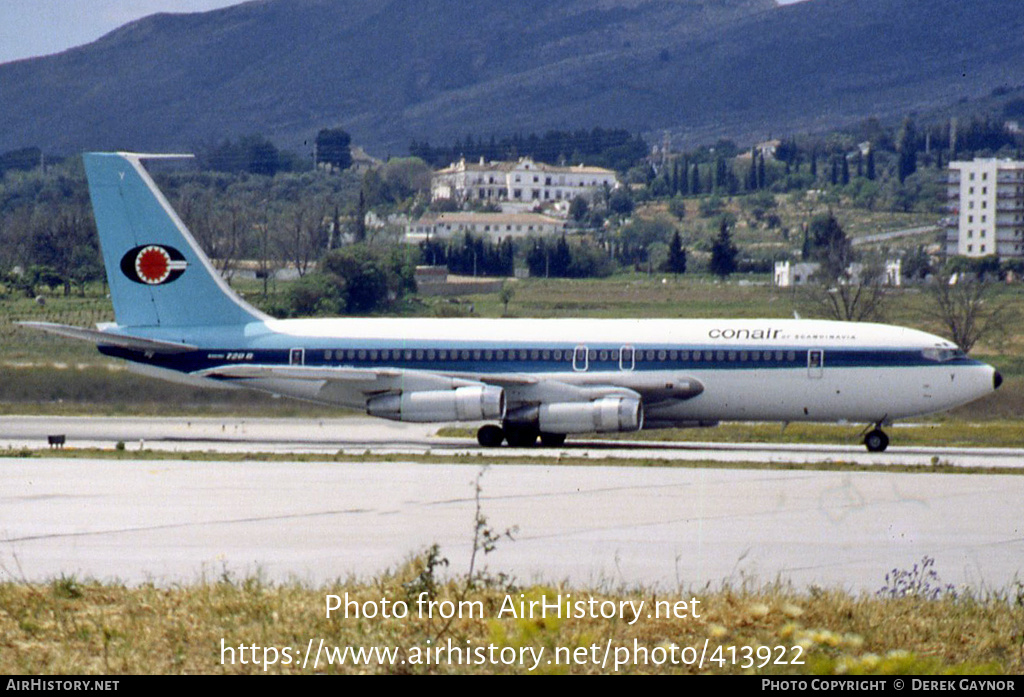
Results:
<point x="517" y="435"/>
<point x="876" y="441"/>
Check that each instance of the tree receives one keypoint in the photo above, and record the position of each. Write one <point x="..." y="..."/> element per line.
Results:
<point x="637" y="237"/>
<point x="578" y="209"/>
<point x="254" y="154"/>
<point x="829" y="245"/>
<point x="506" y="294"/>
<point x="841" y="289"/>
<point x="304" y="235"/>
<point x="676" y="262"/>
<point x="372" y="278"/>
<point x="906" y="148"/>
<point x="677" y="206"/>
<point x="620" y="201"/>
<point x="964" y="306"/>
<point x="857" y="293"/>
<point x="404" y="177"/>
<point x="333" y="147"/>
<point x="723" y="252"/>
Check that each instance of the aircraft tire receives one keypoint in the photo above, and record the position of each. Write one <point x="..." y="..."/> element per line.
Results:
<point x="552" y="440"/>
<point x="876" y="441"/>
<point x="490" y="436"/>
<point x="521" y="436"/>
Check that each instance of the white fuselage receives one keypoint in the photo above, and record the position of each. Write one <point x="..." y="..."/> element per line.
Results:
<point x="752" y="370"/>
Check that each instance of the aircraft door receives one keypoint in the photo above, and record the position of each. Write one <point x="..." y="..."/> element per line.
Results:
<point x="580" y="360"/>
<point x="297" y="356"/>
<point x="815" y="363"/>
<point x="627" y="358"/>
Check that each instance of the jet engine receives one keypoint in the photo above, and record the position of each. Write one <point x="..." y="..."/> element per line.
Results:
<point x="469" y="403"/>
<point x="604" y="415"/>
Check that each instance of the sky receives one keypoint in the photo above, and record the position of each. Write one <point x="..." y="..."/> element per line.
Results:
<point x="30" y="28"/>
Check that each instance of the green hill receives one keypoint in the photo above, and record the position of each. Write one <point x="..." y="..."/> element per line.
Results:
<point x="398" y="70"/>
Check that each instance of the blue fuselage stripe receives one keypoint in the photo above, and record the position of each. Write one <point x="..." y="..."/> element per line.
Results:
<point x="548" y="359"/>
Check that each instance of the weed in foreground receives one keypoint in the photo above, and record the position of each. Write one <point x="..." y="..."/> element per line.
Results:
<point x="921" y="581"/>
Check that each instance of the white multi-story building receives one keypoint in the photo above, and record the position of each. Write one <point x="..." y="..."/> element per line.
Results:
<point x="524" y="182"/>
<point x="987" y="201"/>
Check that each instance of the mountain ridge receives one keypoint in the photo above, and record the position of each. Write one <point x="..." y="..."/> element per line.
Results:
<point x="396" y="71"/>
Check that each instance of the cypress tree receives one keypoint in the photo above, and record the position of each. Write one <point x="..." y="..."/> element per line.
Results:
<point x="906" y="149"/>
<point x="723" y="252"/>
<point x="676" y="255"/>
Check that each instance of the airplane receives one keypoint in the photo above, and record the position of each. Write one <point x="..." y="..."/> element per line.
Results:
<point x="526" y="379"/>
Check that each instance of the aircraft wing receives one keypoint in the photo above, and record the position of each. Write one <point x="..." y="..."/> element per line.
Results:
<point x="109" y="339"/>
<point x="522" y="388"/>
<point x="391" y="393"/>
<point x="367" y="381"/>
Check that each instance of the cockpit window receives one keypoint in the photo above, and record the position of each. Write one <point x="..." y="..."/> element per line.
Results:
<point x="941" y="355"/>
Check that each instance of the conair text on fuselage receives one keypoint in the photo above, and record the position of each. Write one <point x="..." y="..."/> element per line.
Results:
<point x="744" y="333"/>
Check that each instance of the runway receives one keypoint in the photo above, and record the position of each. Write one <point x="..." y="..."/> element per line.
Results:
<point x="358" y="435"/>
<point x="180" y="521"/>
<point x="670" y="529"/>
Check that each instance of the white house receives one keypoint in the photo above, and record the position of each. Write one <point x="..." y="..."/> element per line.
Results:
<point x="526" y="183"/>
<point x="788" y="274"/>
<point x="493" y="225"/>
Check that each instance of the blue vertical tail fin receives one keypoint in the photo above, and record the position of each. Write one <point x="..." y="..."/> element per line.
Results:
<point x="158" y="275"/>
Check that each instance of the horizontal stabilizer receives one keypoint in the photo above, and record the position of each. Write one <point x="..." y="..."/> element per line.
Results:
<point x="108" y="339"/>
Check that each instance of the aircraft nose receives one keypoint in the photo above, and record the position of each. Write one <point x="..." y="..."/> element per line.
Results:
<point x="997" y="380"/>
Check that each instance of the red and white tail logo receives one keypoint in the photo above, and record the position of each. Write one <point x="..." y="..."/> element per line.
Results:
<point x="153" y="264"/>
